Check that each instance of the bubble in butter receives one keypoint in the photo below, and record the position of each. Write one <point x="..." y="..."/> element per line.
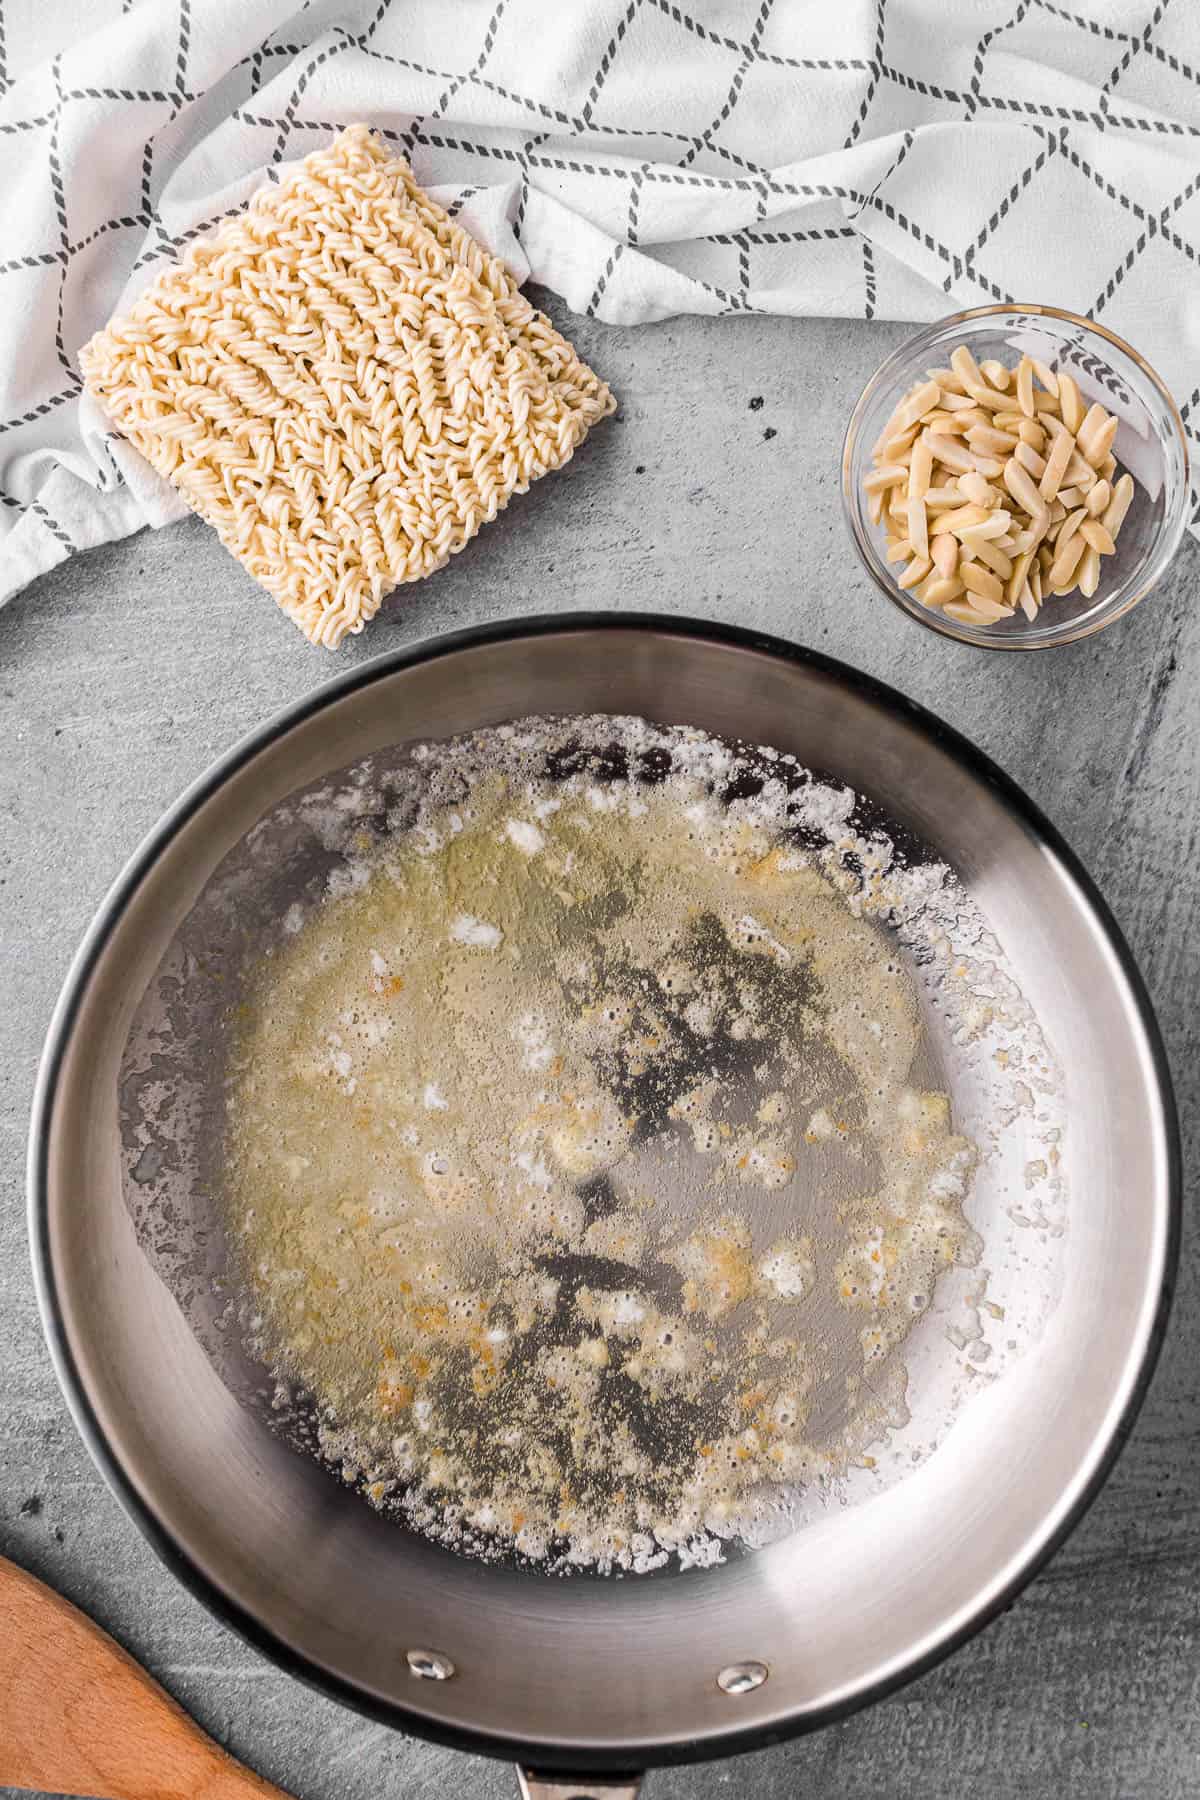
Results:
<point x="585" y="1157"/>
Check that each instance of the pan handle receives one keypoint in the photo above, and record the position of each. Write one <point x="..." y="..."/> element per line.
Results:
<point x="558" y="1787"/>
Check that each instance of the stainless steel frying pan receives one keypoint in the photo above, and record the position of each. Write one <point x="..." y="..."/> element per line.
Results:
<point x="588" y="1678"/>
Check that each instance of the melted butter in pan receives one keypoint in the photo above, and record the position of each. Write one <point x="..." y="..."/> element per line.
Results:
<point x="587" y="1168"/>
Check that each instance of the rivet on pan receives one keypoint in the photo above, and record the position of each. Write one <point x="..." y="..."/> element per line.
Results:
<point x="430" y="1665"/>
<point x="742" y="1678"/>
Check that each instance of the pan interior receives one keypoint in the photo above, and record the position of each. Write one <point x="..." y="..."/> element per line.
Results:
<point x="1013" y="1377"/>
<point x="594" y="1237"/>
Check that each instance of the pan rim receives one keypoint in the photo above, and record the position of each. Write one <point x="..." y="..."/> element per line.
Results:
<point x="593" y="1759"/>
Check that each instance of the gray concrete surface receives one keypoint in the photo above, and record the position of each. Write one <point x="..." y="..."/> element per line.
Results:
<point x="122" y="674"/>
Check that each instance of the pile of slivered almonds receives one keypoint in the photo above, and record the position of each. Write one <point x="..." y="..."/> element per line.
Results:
<point x="997" y="489"/>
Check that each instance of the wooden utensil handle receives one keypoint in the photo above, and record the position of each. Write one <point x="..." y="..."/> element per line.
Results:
<point x="79" y="1716"/>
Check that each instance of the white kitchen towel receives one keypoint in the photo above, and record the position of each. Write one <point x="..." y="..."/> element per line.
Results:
<point x="875" y="158"/>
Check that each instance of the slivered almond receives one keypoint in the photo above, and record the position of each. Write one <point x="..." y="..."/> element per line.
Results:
<point x="944" y="551"/>
<point x="937" y="593"/>
<point x="983" y="437"/>
<point x="980" y="581"/>
<point x="988" y="398"/>
<point x="920" y="470"/>
<point x="1097" y="445"/>
<point x="1071" y="404"/>
<point x="1093" y="419"/>
<point x="1046" y="376"/>
<point x="949" y="451"/>
<point x="885" y="476"/>
<point x="1067" y="530"/>
<point x="898" y="447"/>
<point x="966" y="368"/>
<point x="958" y="402"/>
<point x="965" y="614"/>
<point x="991" y="611"/>
<point x="997" y="489"/>
<point x="994" y="526"/>
<point x="985" y="550"/>
<point x="1113" y="516"/>
<point x="888" y="431"/>
<point x="1093" y="532"/>
<point x="1089" y="572"/>
<point x="964" y="518"/>
<point x="1065" y="563"/>
<point x="916" y="571"/>
<point x="1020" y="485"/>
<point x="977" y="490"/>
<point x="918" y="528"/>
<point x="1061" y="452"/>
<point x="918" y="402"/>
<point x="1016" y="577"/>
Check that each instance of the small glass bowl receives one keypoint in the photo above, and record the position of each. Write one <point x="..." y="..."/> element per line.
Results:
<point x="1150" y="444"/>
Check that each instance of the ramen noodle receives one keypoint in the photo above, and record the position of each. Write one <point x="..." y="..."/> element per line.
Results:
<point x="344" y="384"/>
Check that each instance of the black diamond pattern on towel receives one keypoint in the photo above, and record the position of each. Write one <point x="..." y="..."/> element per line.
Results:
<point x="645" y="156"/>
